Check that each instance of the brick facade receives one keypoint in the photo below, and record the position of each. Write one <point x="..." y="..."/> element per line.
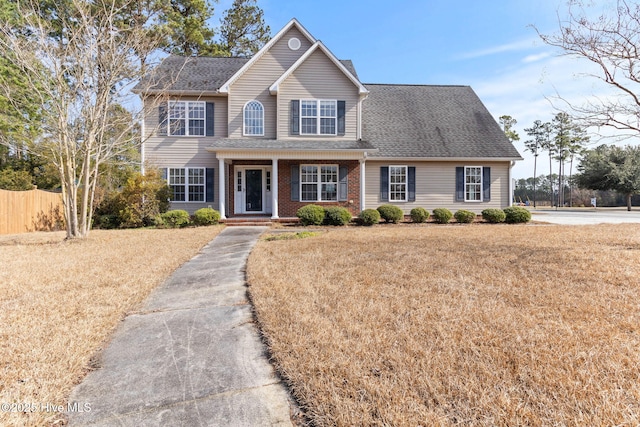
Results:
<point x="288" y="207"/>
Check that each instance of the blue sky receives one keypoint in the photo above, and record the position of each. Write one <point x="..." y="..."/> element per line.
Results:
<point x="489" y="45"/>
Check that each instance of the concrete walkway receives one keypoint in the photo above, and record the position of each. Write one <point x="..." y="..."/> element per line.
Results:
<point x="192" y="356"/>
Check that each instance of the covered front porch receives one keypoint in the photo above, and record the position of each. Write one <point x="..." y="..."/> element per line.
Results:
<point x="273" y="182"/>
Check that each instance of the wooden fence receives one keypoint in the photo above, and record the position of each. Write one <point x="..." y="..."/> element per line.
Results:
<point x="33" y="210"/>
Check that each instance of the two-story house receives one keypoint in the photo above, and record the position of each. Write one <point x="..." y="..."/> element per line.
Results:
<point x="293" y="125"/>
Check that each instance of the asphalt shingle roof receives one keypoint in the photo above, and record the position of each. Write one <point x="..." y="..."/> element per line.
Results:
<point x="200" y="74"/>
<point x="431" y="121"/>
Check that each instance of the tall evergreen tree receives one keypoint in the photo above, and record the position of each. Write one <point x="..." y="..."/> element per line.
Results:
<point x="537" y="131"/>
<point x="243" y="31"/>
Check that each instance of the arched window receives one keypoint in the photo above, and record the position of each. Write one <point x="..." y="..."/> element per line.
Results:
<point x="253" y="118"/>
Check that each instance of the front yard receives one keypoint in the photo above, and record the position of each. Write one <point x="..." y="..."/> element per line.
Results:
<point x="60" y="300"/>
<point x="456" y="325"/>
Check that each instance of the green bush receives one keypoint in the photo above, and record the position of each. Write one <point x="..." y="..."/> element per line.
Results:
<point x="419" y="215"/>
<point x="493" y="215"/>
<point x="391" y="213"/>
<point x="206" y="216"/>
<point x="516" y="214"/>
<point x="442" y="215"/>
<point x="336" y="215"/>
<point x="140" y="200"/>
<point x="369" y="217"/>
<point x="464" y="216"/>
<point x="311" y="215"/>
<point x="176" y="218"/>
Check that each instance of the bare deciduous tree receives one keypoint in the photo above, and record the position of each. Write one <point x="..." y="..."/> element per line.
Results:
<point x="611" y="42"/>
<point x="80" y="67"/>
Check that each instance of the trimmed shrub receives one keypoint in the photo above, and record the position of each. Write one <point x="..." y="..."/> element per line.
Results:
<point x="516" y="214"/>
<point x="206" y="216"/>
<point x="369" y="217"/>
<point x="177" y="218"/>
<point x="493" y="215"/>
<point x="336" y="215"/>
<point x="311" y="215"/>
<point x="442" y="215"/>
<point x="464" y="216"/>
<point x="419" y="215"/>
<point x="391" y="213"/>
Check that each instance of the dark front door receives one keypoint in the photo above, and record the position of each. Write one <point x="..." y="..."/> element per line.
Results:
<point x="253" y="201"/>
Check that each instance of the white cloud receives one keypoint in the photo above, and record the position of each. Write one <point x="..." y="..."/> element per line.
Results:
<point x="536" y="57"/>
<point x="508" y="47"/>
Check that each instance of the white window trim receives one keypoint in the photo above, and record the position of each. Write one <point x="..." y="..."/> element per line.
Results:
<point x="319" y="183"/>
<point x="186" y="184"/>
<point x="244" y="129"/>
<point x="481" y="184"/>
<point x="186" y="118"/>
<point x="318" y="117"/>
<point x="406" y="183"/>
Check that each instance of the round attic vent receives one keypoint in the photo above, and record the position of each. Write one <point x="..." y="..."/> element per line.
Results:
<point x="294" y="43"/>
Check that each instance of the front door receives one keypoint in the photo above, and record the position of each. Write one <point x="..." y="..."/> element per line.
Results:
<point x="253" y="193"/>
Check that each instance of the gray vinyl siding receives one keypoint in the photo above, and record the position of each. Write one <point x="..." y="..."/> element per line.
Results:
<point x="185" y="151"/>
<point x="318" y="78"/>
<point x="436" y="186"/>
<point x="255" y="82"/>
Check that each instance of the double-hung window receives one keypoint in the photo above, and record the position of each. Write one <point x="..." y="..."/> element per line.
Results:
<point x="318" y="117"/>
<point x="187" y="184"/>
<point x="186" y="118"/>
<point x="319" y="183"/>
<point x="473" y="183"/>
<point x="397" y="183"/>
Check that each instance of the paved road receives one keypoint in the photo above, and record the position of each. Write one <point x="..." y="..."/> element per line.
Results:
<point x="569" y="216"/>
<point x="192" y="356"/>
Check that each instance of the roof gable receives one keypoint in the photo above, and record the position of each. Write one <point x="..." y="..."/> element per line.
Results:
<point x="224" y="88"/>
<point x="317" y="46"/>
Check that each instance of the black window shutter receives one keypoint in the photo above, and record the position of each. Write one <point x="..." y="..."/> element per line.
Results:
<point x="295" y="183"/>
<point x="460" y="184"/>
<point x="209" y="115"/>
<point x="411" y="181"/>
<point x="162" y="120"/>
<point x="343" y="190"/>
<point x="486" y="184"/>
<point x="209" y="179"/>
<point x="384" y="183"/>
<point x="295" y="117"/>
<point x="341" y="114"/>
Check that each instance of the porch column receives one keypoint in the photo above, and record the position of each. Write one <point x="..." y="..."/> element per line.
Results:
<point x="362" y="185"/>
<point x="274" y="189"/>
<point x="221" y="186"/>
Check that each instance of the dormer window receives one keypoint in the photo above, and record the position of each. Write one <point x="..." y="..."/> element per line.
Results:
<point x="253" y="118"/>
<point x="318" y="117"/>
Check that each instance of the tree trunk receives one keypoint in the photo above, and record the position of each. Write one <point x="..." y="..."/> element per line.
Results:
<point x="550" y="179"/>
<point x="535" y="161"/>
<point x="629" y="202"/>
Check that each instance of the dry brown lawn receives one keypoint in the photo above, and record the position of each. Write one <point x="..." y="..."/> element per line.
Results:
<point x="456" y="325"/>
<point x="61" y="300"/>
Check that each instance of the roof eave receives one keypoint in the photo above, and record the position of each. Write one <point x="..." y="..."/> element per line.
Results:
<point x="447" y="159"/>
